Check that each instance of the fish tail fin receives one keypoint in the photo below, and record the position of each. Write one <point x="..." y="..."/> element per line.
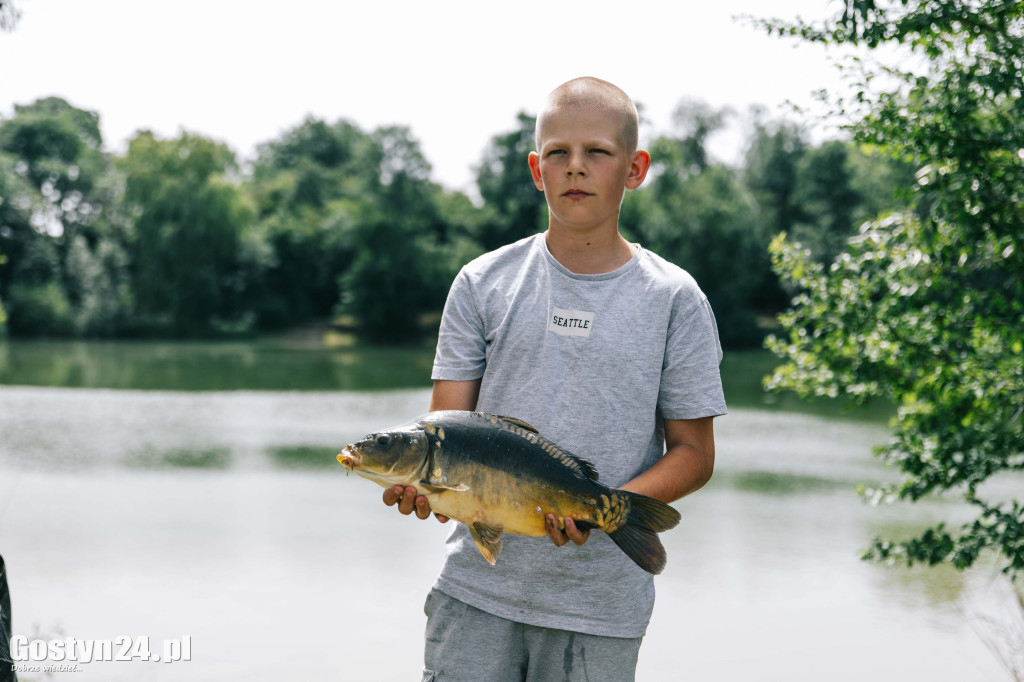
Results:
<point x="651" y="513"/>
<point x="638" y="536"/>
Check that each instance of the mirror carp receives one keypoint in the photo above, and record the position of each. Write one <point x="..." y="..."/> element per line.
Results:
<point x="499" y="475"/>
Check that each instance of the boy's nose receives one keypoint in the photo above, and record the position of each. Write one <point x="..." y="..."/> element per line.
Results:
<point x="576" y="163"/>
<point x="575" y="167"/>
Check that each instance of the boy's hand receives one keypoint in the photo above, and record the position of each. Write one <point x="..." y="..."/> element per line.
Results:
<point x="571" y="532"/>
<point x="408" y="502"/>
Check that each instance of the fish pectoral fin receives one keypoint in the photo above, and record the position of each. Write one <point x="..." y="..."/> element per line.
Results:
<point x="439" y="486"/>
<point x="488" y="539"/>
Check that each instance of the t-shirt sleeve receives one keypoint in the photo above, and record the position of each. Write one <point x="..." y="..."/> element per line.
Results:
<point x="461" y="346"/>
<point x="691" y="384"/>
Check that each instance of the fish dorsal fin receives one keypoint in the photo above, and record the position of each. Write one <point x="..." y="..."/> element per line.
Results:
<point x="518" y="422"/>
<point x="488" y="539"/>
<point x="582" y="467"/>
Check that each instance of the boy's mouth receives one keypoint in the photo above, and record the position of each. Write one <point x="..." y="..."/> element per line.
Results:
<point x="576" y="194"/>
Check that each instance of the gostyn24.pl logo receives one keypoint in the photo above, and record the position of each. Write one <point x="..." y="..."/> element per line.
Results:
<point x="75" y="650"/>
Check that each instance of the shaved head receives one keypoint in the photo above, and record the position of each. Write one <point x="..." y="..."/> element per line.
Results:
<point x="593" y="94"/>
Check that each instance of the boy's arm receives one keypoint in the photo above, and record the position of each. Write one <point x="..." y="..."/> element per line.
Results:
<point x="455" y="395"/>
<point x="687" y="465"/>
<point x="447" y="395"/>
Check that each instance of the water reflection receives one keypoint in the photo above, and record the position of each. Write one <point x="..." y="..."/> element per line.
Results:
<point x="772" y="483"/>
<point x="742" y="375"/>
<point x="304" y="456"/>
<point x="289" y="365"/>
<point x="49" y="429"/>
<point x="208" y="458"/>
<point x="267" y="365"/>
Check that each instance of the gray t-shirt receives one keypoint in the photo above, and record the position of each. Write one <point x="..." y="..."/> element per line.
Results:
<point x="594" y="362"/>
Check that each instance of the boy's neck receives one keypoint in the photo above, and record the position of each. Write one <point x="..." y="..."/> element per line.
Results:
<point x="589" y="252"/>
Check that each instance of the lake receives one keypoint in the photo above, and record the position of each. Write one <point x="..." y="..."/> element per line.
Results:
<point x="173" y="490"/>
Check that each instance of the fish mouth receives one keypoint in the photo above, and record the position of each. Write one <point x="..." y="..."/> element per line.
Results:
<point x="348" y="459"/>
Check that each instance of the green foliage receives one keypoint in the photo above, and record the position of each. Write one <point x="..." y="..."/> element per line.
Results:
<point x="40" y="309"/>
<point x="393" y="281"/>
<point x="926" y="307"/>
<point x="59" y="150"/>
<point x="828" y="196"/>
<point x="99" y="279"/>
<point x="3" y="313"/>
<point x="351" y="224"/>
<point x="820" y="195"/>
<point x="188" y="220"/>
<point x="313" y="164"/>
<point x="695" y="122"/>
<point x="58" y="185"/>
<point x="403" y="248"/>
<point x="516" y="209"/>
<point x="36" y="299"/>
<point x="19" y="202"/>
<point x="308" y="187"/>
<point x="772" y="172"/>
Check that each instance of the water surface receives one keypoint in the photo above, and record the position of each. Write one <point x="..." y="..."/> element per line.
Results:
<point x="169" y="490"/>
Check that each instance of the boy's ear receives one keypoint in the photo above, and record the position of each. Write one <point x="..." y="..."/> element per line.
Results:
<point x="534" y="161"/>
<point x="639" y="165"/>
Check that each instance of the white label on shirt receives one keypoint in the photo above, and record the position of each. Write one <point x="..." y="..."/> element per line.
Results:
<point x="570" y="322"/>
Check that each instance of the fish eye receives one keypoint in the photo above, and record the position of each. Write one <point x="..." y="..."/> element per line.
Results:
<point x="383" y="440"/>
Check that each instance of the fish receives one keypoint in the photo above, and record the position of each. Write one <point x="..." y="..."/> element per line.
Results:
<point x="498" y="475"/>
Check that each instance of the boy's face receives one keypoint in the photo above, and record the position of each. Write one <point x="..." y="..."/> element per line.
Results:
<point x="584" y="167"/>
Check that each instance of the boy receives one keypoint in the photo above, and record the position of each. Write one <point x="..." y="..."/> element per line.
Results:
<point x="609" y="351"/>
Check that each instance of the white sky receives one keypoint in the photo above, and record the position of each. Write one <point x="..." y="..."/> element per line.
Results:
<point x="456" y="72"/>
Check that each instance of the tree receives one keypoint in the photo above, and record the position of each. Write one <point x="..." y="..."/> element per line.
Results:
<point x="3" y="313"/>
<point x="826" y="192"/>
<point x="53" y="170"/>
<point x="313" y="164"/>
<point x="307" y="185"/>
<point x="925" y="307"/>
<point x="401" y="267"/>
<point x="772" y="170"/>
<point x="188" y="217"/>
<point x="349" y="223"/>
<point x="819" y="195"/>
<point x="516" y="209"/>
<point x="694" y="121"/>
<point x="17" y="199"/>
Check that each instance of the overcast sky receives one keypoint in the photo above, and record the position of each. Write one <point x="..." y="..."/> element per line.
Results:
<point x="456" y="72"/>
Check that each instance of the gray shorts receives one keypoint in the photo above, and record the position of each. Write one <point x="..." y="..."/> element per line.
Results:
<point x="465" y="644"/>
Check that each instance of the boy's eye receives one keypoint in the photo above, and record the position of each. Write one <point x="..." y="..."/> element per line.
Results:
<point x="597" y="150"/>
